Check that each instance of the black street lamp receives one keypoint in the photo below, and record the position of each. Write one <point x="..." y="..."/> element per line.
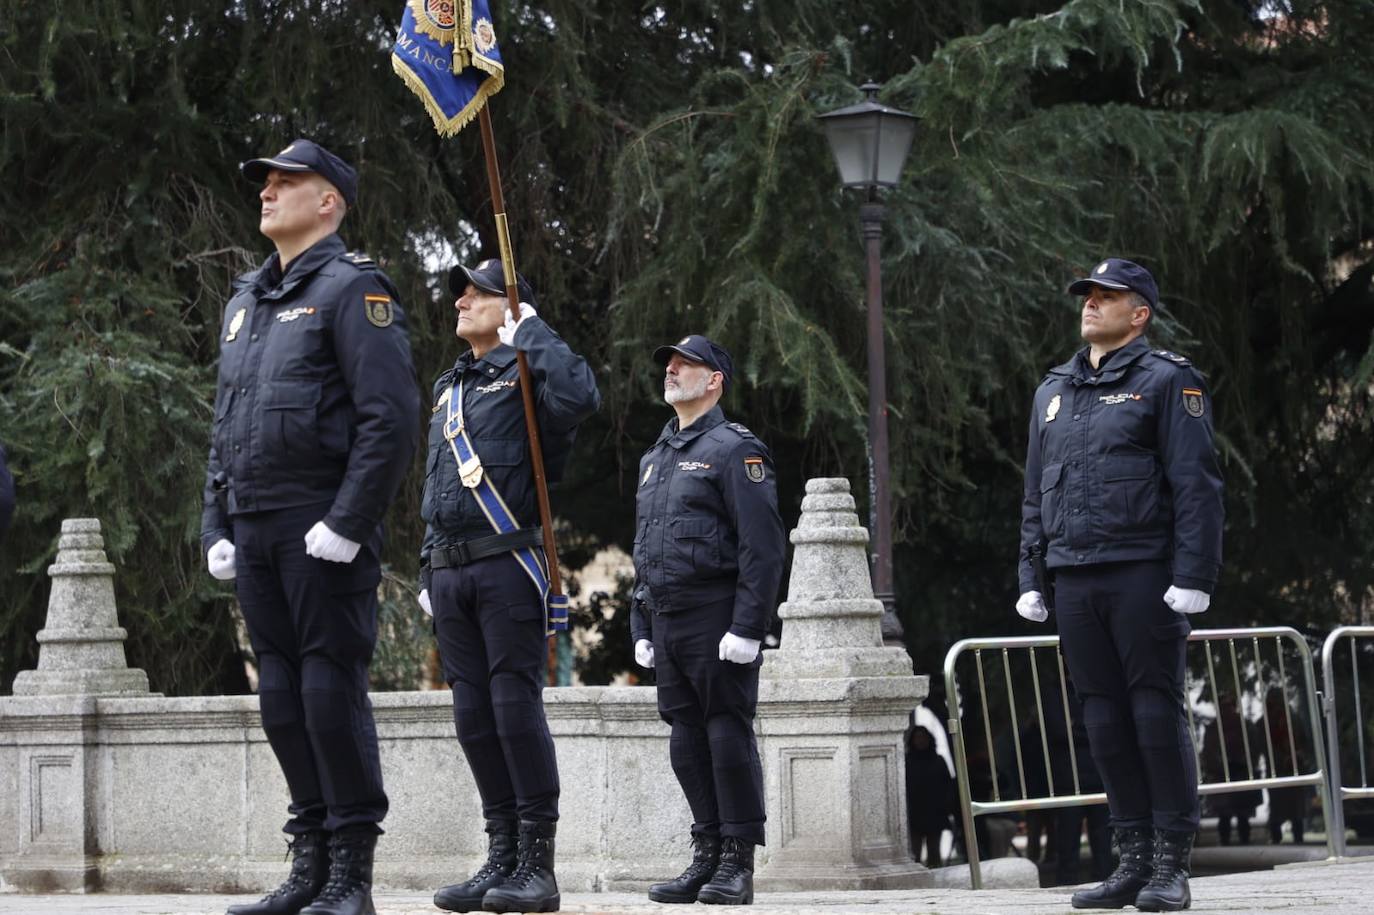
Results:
<point x="870" y="142"/>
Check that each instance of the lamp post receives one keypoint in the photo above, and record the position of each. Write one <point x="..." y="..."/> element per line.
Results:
<point x="870" y="142"/>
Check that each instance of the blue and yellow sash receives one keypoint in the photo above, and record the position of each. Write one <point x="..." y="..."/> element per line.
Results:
<point x="498" y="513"/>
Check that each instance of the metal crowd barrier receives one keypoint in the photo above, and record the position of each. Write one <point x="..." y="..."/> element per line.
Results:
<point x="1262" y="672"/>
<point x="1340" y="790"/>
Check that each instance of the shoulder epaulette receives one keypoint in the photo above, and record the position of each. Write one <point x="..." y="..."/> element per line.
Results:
<point x="358" y="259"/>
<point x="742" y="429"/>
<point x="1170" y="356"/>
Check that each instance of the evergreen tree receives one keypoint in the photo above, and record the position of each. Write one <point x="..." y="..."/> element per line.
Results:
<point x="665" y="174"/>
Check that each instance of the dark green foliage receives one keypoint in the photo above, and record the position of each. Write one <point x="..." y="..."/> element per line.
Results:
<point x="664" y="174"/>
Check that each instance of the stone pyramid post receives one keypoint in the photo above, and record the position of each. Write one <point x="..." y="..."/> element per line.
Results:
<point x="81" y="647"/>
<point x="833" y="710"/>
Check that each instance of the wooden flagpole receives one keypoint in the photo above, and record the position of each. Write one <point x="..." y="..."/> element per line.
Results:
<point x="498" y="205"/>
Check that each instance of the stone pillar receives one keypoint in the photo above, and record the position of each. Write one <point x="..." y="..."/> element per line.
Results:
<point x="81" y="648"/>
<point x="833" y="710"/>
<point x="50" y="732"/>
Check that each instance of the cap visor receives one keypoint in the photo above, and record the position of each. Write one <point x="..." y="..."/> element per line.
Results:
<point x="257" y="169"/>
<point x="664" y="353"/>
<point x="1079" y="287"/>
<point x="460" y="276"/>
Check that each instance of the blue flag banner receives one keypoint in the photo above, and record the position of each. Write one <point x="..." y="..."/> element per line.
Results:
<point x="446" y="53"/>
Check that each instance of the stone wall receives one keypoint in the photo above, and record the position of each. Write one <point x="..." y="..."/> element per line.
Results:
<point x="104" y="786"/>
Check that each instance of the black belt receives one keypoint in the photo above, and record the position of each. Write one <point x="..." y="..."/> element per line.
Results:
<point x="446" y="557"/>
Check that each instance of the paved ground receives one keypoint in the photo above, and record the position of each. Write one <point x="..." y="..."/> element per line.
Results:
<point x="1335" y="888"/>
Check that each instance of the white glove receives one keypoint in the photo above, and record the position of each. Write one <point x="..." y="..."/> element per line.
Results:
<point x="322" y="543"/>
<point x="220" y="559"/>
<point x="507" y="331"/>
<point x="644" y="653"/>
<point x="424" y="603"/>
<point x="739" y="650"/>
<point x="1186" y="600"/>
<point x="1031" y="606"/>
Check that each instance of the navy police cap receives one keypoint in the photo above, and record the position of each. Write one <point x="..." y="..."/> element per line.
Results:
<point x="698" y="349"/>
<point x="306" y="156"/>
<point x="1117" y="273"/>
<point x="488" y="276"/>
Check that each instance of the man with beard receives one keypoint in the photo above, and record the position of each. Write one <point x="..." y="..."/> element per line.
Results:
<point x="708" y="555"/>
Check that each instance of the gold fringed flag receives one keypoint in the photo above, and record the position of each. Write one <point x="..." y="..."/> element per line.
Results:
<point x="446" y="53"/>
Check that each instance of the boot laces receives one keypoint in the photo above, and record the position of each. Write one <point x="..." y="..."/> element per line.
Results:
<point x="1167" y="868"/>
<point x="298" y="878"/>
<point x="703" y="861"/>
<point x="344" y="881"/>
<point x="526" y="865"/>
<point x="489" y="868"/>
<point x="731" y="861"/>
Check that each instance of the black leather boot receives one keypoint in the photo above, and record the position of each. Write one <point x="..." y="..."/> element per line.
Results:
<point x="705" y="858"/>
<point x="502" y="846"/>
<point x="532" y="886"/>
<point x="1168" y="890"/>
<point x="1120" y="889"/>
<point x="309" y="871"/>
<point x="733" y="881"/>
<point x="349" y="890"/>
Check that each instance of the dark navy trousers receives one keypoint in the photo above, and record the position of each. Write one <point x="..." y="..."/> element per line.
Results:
<point x="1125" y="652"/>
<point x="489" y="620"/>
<point x="313" y="626"/>
<point x="710" y="706"/>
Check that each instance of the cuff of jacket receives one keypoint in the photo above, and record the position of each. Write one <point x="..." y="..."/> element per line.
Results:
<point x="1196" y="572"/>
<point x="426" y="574"/>
<point x="1194" y="584"/>
<point x="346" y="524"/>
<point x="211" y="537"/>
<point x="745" y="631"/>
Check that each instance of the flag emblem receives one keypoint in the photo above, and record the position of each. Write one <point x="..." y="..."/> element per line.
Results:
<point x="1192" y="402"/>
<point x="446" y="53"/>
<point x="379" y="310"/>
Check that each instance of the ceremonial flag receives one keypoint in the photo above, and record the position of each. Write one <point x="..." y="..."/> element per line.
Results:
<point x="446" y="53"/>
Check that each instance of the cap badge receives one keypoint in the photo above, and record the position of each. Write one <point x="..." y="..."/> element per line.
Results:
<point x="234" y="324"/>
<point x="683" y="341"/>
<point x="1052" y="410"/>
<point x="1101" y="268"/>
<point x="287" y="149"/>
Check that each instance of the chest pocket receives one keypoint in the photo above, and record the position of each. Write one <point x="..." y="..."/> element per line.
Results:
<point x="290" y="431"/>
<point x="1131" y="484"/>
<point x="696" y="548"/>
<point x="1051" y="497"/>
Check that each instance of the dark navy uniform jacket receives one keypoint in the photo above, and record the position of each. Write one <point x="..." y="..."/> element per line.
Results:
<point x="565" y="394"/>
<point x="707" y="527"/>
<point x="1120" y="466"/>
<point x="316" y="400"/>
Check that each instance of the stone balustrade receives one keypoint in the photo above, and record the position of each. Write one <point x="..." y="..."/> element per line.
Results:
<point x="105" y="786"/>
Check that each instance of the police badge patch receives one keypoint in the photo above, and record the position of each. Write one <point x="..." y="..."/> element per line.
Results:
<point x="235" y="324"/>
<point x="753" y="467"/>
<point x="378" y="309"/>
<point x="1192" y="402"/>
<point x="1052" y="409"/>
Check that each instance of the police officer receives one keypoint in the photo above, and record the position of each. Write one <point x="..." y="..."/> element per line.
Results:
<point x="316" y="415"/>
<point x="1123" y="504"/>
<point x="708" y="555"/>
<point x="482" y="585"/>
